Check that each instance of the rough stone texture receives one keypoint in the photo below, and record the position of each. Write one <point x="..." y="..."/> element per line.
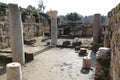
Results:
<point x="112" y="40"/>
<point x="14" y="71"/>
<point x="87" y="62"/>
<point x="4" y="37"/>
<point x="96" y="28"/>
<point x="33" y="26"/>
<point x="53" y="15"/>
<point x="16" y="34"/>
<point x="103" y="58"/>
<point x="78" y="30"/>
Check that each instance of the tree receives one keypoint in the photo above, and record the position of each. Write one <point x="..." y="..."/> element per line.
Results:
<point x="41" y="6"/>
<point x="31" y="8"/>
<point x="73" y="16"/>
<point x="104" y="20"/>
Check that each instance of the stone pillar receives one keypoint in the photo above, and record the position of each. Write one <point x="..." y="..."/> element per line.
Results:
<point x="16" y="34"/>
<point x="96" y="28"/>
<point x="103" y="59"/>
<point x="53" y="15"/>
<point x="106" y="38"/>
<point x="14" y="71"/>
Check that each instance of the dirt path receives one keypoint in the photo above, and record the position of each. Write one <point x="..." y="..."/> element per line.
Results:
<point x="56" y="64"/>
<point x="53" y="64"/>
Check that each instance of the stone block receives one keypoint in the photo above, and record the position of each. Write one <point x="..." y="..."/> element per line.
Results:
<point x="14" y="71"/>
<point x="29" y="57"/>
<point x="86" y="62"/>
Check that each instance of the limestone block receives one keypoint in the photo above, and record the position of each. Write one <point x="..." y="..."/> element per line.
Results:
<point x="87" y="62"/>
<point x="103" y="52"/>
<point x="29" y="57"/>
<point x="53" y="14"/>
<point x="14" y="71"/>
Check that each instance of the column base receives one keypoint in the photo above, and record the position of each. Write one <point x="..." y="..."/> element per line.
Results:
<point x="53" y="45"/>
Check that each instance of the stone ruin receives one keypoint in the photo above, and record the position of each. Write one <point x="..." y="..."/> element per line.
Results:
<point x="33" y="28"/>
<point x="98" y="32"/>
<point x="75" y="29"/>
<point x="16" y="33"/>
<point x="112" y="40"/>
<point x="54" y="35"/>
<point x="96" y="28"/>
<point x="4" y="36"/>
<point x="32" y="25"/>
<point x="103" y="58"/>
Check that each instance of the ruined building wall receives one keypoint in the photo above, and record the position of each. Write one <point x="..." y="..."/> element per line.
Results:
<point x="112" y="40"/>
<point x="32" y="26"/>
<point x="4" y="36"/>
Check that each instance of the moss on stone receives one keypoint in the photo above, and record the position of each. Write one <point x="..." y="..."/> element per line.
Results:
<point x="118" y="8"/>
<point x="113" y="11"/>
<point x="118" y="16"/>
<point x="118" y="38"/>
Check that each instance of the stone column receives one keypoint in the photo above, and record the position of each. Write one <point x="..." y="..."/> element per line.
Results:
<point x="16" y="34"/>
<point x="96" y="28"/>
<point x="14" y="71"/>
<point x="53" y="15"/>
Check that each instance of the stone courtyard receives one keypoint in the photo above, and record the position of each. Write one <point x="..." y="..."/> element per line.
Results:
<point x="52" y="63"/>
<point x="56" y="64"/>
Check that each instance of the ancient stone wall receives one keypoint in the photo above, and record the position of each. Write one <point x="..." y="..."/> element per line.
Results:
<point x="32" y="25"/>
<point x="4" y="36"/>
<point x="112" y="40"/>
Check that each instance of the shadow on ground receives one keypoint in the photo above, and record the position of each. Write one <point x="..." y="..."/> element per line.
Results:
<point x="2" y="68"/>
<point x="43" y="50"/>
<point x="85" y="71"/>
<point x="93" y="57"/>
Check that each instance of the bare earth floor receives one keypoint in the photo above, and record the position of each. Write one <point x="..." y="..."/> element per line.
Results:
<point x="51" y="63"/>
<point x="56" y="64"/>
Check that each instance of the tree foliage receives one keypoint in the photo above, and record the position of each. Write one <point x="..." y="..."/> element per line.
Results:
<point x="41" y="6"/>
<point x="104" y="19"/>
<point x="73" y="16"/>
<point x="31" y="8"/>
